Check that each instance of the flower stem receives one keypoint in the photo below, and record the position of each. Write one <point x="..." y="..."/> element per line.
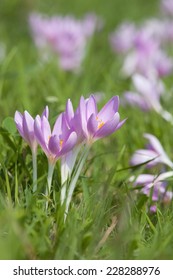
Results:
<point x="75" y="177"/>
<point x="34" y="164"/>
<point x="67" y="165"/>
<point x="51" y="167"/>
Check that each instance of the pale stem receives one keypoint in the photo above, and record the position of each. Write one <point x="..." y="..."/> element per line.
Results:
<point x="51" y="167"/>
<point x="34" y="164"/>
<point x="75" y="178"/>
<point x="67" y="165"/>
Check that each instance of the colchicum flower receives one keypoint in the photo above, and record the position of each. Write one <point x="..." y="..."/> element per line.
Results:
<point x="147" y="96"/>
<point x="143" y="48"/>
<point x="55" y="144"/>
<point x="96" y="125"/>
<point x="122" y="39"/>
<point x="155" y="186"/>
<point x="25" y="126"/>
<point x="90" y="125"/>
<point x="153" y="154"/>
<point x="65" y="37"/>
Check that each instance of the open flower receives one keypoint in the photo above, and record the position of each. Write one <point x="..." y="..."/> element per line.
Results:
<point x="147" y="95"/>
<point x="57" y="143"/>
<point x="96" y="125"/>
<point x="25" y="126"/>
<point x="156" y="186"/>
<point x="152" y="155"/>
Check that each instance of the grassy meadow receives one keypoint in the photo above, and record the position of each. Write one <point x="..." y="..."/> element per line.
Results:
<point x="107" y="218"/>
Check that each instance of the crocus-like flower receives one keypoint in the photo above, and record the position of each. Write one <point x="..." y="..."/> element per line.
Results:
<point x="122" y="39"/>
<point x="57" y="143"/>
<point x="90" y="125"/>
<point x="25" y="126"/>
<point x="149" y="64"/>
<point x="152" y="155"/>
<point x="156" y="186"/>
<point x="147" y="93"/>
<point x="142" y="47"/>
<point x="96" y="125"/>
<point x="65" y="37"/>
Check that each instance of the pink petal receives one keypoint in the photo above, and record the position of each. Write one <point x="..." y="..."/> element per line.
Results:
<point x="108" y="128"/>
<point x="69" y="144"/>
<point x="109" y="110"/>
<point x="92" y="124"/>
<point x="91" y="106"/>
<point x="143" y="156"/>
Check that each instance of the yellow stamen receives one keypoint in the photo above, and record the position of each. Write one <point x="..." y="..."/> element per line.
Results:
<point x="61" y="143"/>
<point x="100" y="123"/>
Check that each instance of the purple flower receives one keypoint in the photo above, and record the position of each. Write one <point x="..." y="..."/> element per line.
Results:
<point x="147" y="95"/>
<point x="57" y="143"/>
<point x="25" y="126"/>
<point x="155" y="185"/>
<point x="154" y="153"/>
<point x="122" y="39"/>
<point x="96" y="125"/>
<point x="65" y="37"/>
<point x="154" y="64"/>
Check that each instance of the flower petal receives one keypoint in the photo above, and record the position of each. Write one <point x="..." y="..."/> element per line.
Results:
<point x="39" y="135"/>
<point x="69" y="144"/>
<point x="69" y="111"/>
<point x="109" y="110"/>
<point x="92" y="124"/>
<point x="54" y="144"/>
<point x="18" y="118"/>
<point x="28" y="128"/>
<point x="143" y="156"/>
<point x="91" y="106"/>
<point x="135" y="99"/>
<point x="108" y="128"/>
<point x="155" y="145"/>
<point x="57" y="129"/>
<point x="144" y="179"/>
<point x="82" y="114"/>
<point x="45" y="127"/>
<point x="45" y="112"/>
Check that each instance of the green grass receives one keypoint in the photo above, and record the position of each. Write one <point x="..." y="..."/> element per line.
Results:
<point x="107" y="219"/>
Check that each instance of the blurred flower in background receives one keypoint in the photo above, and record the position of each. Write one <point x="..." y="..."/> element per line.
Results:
<point x="167" y="7"/>
<point x="156" y="187"/>
<point x="153" y="154"/>
<point x="142" y="47"/>
<point x="65" y="37"/>
<point x="146" y="95"/>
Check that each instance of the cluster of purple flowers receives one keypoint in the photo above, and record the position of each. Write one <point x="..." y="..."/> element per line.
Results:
<point x="73" y="133"/>
<point x="153" y="184"/>
<point x="145" y="60"/>
<point x="143" y="49"/>
<point x="66" y="37"/>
